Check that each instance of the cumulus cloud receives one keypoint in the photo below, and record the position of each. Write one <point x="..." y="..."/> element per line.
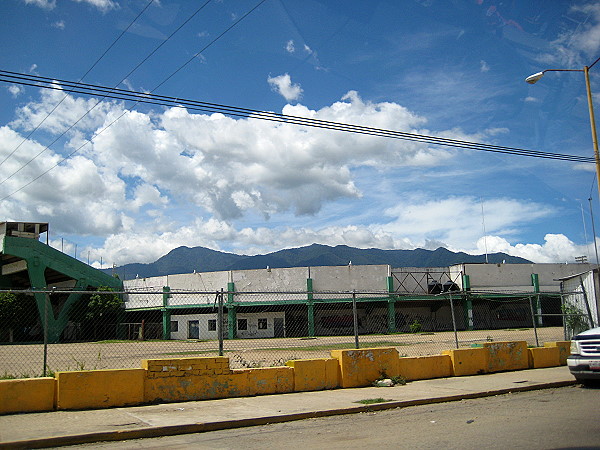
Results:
<point x="290" y="47"/>
<point x="556" y="248"/>
<point x="283" y="85"/>
<point x="483" y="66"/>
<point x="152" y="181"/>
<point x="59" y="24"/>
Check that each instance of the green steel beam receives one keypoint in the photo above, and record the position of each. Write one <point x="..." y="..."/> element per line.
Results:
<point x="40" y="257"/>
<point x="166" y="314"/>
<point x="310" y="308"/>
<point x="231" y="312"/>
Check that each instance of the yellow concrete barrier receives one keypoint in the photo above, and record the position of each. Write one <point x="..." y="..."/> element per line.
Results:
<point x="362" y="367"/>
<point x="425" y="367"/>
<point x="99" y="388"/>
<point x="27" y="395"/>
<point x="539" y="357"/>
<point x="468" y="361"/>
<point x="315" y="374"/>
<point x="564" y="349"/>
<point x="271" y="380"/>
<point x="504" y="356"/>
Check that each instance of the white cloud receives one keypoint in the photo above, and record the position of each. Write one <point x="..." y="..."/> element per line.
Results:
<point x="483" y="66"/>
<point x="59" y="24"/>
<point x="289" y="46"/>
<point x="102" y="5"/>
<point x="580" y="45"/>
<point x="15" y="90"/>
<point x="209" y="171"/>
<point x="283" y="85"/>
<point x="532" y="99"/>
<point x="459" y="221"/>
<point x="46" y="4"/>
<point x="556" y="248"/>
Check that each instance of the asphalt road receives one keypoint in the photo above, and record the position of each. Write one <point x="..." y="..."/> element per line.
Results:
<point x="566" y="417"/>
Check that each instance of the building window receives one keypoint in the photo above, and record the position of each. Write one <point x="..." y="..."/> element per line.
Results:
<point x="212" y="325"/>
<point x="174" y="326"/>
<point x="262" y="324"/>
<point x="242" y="324"/>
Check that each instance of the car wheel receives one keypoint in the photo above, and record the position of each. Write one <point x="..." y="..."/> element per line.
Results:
<point x="589" y="383"/>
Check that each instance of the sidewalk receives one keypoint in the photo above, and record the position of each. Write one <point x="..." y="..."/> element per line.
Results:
<point x="58" y="428"/>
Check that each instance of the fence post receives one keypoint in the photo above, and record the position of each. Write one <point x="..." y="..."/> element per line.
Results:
<point x="46" y="334"/>
<point x="166" y="314"/>
<point x="310" y="307"/>
<point x="391" y="307"/>
<point x="534" y="320"/>
<point x="355" y="316"/>
<point x="535" y="281"/>
<point x="453" y="319"/>
<point x="220" y="321"/>
<point x="231" y="312"/>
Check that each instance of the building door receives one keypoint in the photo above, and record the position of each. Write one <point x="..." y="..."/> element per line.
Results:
<point x="278" y="327"/>
<point x="193" y="329"/>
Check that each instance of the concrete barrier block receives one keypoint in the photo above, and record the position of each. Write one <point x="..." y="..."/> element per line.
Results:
<point x="27" y="395"/>
<point x="468" y="361"/>
<point x="181" y="366"/>
<point x="362" y="367"/>
<point x="99" y="388"/>
<point x="197" y="387"/>
<point x="426" y="367"/>
<point x="564" y="349"/>
<point x="315" y="374"/>
<point x="270" y="380"/>
<point x="539" y="357"/>
<point x="504" y="356"/>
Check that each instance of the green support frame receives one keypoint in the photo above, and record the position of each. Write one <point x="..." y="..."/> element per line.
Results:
<point x="231" y="312"/>
<point x="40" y="257"/>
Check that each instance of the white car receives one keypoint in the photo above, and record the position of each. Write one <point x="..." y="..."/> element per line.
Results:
<point x="584" y="361"/>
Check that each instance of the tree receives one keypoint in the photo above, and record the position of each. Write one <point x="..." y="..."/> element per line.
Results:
<point x="17" y="311"/>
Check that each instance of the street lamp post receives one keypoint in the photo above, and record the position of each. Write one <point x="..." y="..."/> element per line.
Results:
<point x="532" y="79"/>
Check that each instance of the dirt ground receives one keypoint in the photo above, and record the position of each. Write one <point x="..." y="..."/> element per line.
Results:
<point x="28" y="360"/>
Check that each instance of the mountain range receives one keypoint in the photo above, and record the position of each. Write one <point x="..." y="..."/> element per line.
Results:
<point x="201" y="259"/>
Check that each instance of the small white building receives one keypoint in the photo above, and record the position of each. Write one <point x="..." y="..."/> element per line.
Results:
<point x="249" y="325"/>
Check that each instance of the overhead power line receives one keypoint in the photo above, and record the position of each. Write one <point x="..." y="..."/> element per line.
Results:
<point x="141" y="97"/>
<point x="110" y="90"/>
<point x="81" y="79"/>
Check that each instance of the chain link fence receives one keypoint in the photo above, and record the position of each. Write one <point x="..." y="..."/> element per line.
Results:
<point x="42" y="332"/>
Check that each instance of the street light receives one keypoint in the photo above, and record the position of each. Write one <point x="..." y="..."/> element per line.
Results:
<point x="532" y="79"/>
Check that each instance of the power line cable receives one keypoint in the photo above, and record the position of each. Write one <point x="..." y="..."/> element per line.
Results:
<point x="142" y="94"/>
<point x="140" y="97"/>
<point x="80" y="79"/>
<point x="103" y="97"/>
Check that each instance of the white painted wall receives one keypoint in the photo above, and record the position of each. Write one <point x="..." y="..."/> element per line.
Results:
<point x="517" y="277"/>
<point x="349" y="278"/>
<point x="252" y="320"/>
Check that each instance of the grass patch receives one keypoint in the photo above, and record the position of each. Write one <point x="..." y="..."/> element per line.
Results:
<point x="371" y="401"/>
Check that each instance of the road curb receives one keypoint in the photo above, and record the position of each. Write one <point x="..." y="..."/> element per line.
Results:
<point x="172" y="430"/>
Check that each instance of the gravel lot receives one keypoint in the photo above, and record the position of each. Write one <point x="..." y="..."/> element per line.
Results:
<point x="28" y="360"/>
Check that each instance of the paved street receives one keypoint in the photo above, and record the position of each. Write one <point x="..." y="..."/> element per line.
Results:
<point x="565" y="417"/>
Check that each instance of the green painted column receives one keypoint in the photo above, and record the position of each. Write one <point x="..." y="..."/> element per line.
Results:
<point x="535" y="282"/>
<point x="166" y="313"/>
<point x="231" y="312"/>
<point x="391" y="312"/>
<point x="310" y="307"/>
<point x="468" y="302"/>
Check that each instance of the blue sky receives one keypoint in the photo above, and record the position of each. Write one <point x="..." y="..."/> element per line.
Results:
<point x="159" y="178"/>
